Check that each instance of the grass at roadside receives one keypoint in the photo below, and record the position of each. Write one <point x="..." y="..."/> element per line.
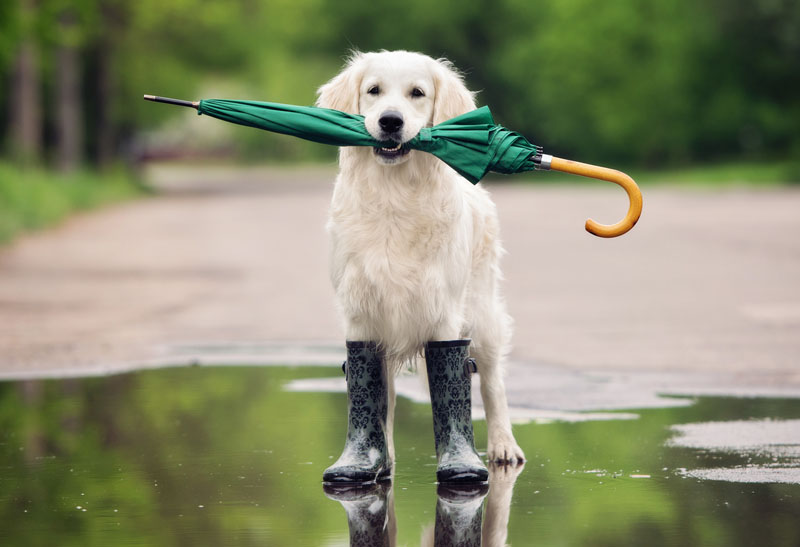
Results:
<point x="750" y="173"/>
<point x="731" y="173"/>
<point x="32" y="198"/>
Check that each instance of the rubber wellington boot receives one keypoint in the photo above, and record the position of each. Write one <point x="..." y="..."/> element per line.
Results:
<point x="365" y="457"/>
<point x="449" y="370"/>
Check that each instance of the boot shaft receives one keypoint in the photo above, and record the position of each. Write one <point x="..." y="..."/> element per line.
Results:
<point x="449" y="370"/>
<point x="366" y="391"/>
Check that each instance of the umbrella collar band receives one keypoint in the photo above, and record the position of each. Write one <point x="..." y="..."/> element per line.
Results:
<point x="425" y="134"/>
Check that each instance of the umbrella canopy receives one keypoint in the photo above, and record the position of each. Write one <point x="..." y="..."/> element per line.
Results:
<point x="472" y="144"/>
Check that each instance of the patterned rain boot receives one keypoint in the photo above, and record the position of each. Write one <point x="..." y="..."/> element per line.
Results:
<point x="365" y="457"/>
<point x="459" y="514"/>
<point x="449" y="370"/>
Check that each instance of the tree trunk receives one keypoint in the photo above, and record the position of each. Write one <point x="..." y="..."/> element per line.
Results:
<point x="104" y="126"/>
<point x="26" y="104"/>
<point x="68" y="99"/>
<point x="113" y="23"/>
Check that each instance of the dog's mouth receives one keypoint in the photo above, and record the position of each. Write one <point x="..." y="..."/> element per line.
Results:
<point x="391" y="153"/>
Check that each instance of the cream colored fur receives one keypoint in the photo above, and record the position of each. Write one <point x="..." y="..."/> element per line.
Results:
<point x="415" y="248"/>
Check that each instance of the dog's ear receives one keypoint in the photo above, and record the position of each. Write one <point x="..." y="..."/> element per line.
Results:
<point x="452" y="96"/>
<point x="341" y="93"/>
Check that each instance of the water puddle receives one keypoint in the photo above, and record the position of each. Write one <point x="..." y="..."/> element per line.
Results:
<point x="230" y="456"/>
<point x="769" y="448"/>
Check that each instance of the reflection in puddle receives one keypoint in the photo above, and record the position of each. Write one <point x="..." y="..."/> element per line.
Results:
<point x="459" y="515"/>
<point x="228" y="456"/>
<point x="458" y="519"/>
<point x="370" y="512"/>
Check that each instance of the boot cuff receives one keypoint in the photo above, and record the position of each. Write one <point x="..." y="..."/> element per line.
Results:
<point x="355" y="344"/>
<point x="448" y="344"/>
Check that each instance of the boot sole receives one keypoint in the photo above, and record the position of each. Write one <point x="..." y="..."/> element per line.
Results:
<point x="357" y="477"/>
<point x="460" y="476"/>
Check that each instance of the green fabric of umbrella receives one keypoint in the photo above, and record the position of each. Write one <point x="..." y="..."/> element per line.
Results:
<point x="472" y="144"/>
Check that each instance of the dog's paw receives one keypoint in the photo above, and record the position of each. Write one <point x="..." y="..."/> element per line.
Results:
<point x="504" y="449"/>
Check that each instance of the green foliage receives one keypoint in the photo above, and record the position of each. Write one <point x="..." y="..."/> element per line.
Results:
<point x="637" y="84"/>
<point x="9" y="28"/>
<point x="34" y="198"/>
<point x="644" y="83"/>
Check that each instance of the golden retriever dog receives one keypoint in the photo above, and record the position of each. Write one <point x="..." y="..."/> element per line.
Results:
<point x="414" y="246"/>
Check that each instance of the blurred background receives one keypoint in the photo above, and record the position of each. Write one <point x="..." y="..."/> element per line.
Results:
<point x="641" y="85"/>
<point x="698" y="92"/>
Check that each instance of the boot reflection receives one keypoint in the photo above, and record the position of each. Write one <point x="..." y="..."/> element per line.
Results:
<point x="370" y="512"/>
<point x="459" y="512"/>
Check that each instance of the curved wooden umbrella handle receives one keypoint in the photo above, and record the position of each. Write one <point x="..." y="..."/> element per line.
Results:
<point x="611" y="175"/>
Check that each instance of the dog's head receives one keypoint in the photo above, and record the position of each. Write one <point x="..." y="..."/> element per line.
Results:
<point x="398" y="93"/>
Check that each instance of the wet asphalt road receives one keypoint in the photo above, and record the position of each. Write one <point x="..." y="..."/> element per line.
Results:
<point x="231" y="266"/>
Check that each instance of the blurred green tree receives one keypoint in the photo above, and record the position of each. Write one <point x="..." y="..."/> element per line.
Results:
<point x="25" y="114"/>
<point x="646" y="83"/>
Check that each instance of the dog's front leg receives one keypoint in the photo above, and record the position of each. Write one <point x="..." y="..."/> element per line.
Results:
<point x="501" y="446"/>
<point x="391" y="396"/>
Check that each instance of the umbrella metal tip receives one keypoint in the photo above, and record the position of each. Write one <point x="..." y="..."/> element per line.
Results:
<point x="167" y="100"/>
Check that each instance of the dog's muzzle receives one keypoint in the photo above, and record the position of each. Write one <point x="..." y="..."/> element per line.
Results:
<point x="391" y="124"/>
<point x="391" y="153"/>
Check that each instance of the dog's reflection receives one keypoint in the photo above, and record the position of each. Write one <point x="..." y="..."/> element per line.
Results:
<point x="459" y="512"/>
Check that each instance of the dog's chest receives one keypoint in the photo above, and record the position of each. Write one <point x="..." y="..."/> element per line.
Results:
<point x="405" y="245"/>
<point x="399" y="238"/>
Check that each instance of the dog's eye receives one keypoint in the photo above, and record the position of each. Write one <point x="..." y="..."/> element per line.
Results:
<point x="374" y="90"/>
<point x="417" y="92"/>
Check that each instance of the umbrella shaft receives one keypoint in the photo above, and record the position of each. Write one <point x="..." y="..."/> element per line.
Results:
<point x="542" y="161"/>
<point x="179" y="102"/>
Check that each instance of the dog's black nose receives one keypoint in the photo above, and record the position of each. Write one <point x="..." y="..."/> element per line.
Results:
<point x="391" y="121"/>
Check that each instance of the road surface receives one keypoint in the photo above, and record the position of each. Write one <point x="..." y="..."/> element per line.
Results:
<point x="230" y="266"/>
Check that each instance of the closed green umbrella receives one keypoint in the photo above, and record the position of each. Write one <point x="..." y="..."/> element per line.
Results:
<point x="472" y="144"/>
<point x="320" y="125"/>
